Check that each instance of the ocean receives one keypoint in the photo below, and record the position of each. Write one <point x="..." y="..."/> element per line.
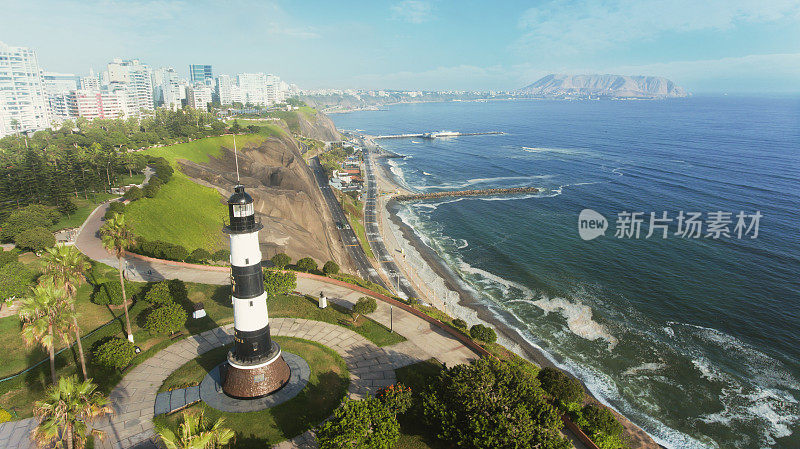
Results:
<point x="697" y="340"/>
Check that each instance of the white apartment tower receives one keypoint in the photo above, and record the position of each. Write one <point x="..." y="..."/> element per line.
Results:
<point x="23" y="101"/>
<point x="57" y="87"/>
<point x="135" y="79"/>
<point x="199" y="96"/>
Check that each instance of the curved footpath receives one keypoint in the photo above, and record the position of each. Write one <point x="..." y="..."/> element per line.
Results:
<point x="371" y="367"/>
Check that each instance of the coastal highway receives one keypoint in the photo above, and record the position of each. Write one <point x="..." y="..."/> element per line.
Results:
<point x="357" y="255"/>
<point x="399" y="282"/>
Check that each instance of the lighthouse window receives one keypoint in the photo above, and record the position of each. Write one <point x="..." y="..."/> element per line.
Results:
<point x="251" y="303"/>
<point x="243" y="210"/>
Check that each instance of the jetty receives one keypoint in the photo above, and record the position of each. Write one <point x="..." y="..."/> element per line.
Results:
<point x="458" y="193"/>
<point x="435" y="135"/>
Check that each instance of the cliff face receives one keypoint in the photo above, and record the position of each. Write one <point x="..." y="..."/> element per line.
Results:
<point x="604" y="85"/>
<point x="319" y="127"/>
<point x="287" y="200"/>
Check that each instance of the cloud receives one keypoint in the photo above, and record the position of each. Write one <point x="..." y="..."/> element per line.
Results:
<point x="294" y="32"/>
<point x="558" y="28"/>
<point x="413" y="11"/>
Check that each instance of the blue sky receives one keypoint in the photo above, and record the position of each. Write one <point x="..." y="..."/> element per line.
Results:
<point x="703" y="45"/>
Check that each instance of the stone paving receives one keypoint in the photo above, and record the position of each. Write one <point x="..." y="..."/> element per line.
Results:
<point x="134" y="399"/>
<point x="17" y="434"/>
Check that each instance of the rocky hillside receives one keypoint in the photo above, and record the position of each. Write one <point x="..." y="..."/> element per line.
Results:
<point x="603" y="86"/>
<point x="287" y="200"/>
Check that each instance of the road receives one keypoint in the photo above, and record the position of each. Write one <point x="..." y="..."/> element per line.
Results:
<point x="400" y="283"/>
<point x="349" y="238"/>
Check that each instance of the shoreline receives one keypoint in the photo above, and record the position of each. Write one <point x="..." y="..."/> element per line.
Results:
<point x="472" y="307"/>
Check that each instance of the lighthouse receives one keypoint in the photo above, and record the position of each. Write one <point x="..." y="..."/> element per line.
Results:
<point x="255" y="366"/>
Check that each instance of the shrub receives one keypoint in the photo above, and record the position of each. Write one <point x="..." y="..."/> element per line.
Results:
<point x="222" y="255"/>
<point x="397" y="398"/>
<point x="155" y="181"/>
<point x="199" y="256"/>
<point x="115" y="207"/>
<point x="279" y="282"/>
<point x="177" y="288"/>
<point x="109" y="292"/>
<point x="159" y="294"/>
<point x="175" y="252"/>
<point x="307" y="264"/>
<point x="15" y="280"/>
<point x="565" y="389"/>
<point x="364" y="424"/>
<point x="330" y="267"/>
<point x="602" y="426"/>
<point x="35" y="239"/>
<point x="458" y="323"/>
<point x="364" y="306"/>
<point x="133" y="194"/>
<point x="512" y="409"/>
<point x="483" y="333"/>
<point x="115" y="353"/>
<point x="7" y="257"/>
<point x="28" y="217"/>
<point x="67" y="206"/>
<point x="280" y="260"/>
<point x="150" y="190"/>
<point x="166" y="319"/>
<point x="4" y="416"/>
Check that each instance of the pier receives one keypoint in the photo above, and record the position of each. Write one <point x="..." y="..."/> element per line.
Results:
<point x="434" y="135"/>
<point x="458" y="193"/>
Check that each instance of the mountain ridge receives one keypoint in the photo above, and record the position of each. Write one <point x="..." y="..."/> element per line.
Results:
<point x="617" y="86"/>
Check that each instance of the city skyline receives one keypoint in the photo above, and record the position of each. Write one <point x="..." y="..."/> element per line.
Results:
<point x="719" y="46"/>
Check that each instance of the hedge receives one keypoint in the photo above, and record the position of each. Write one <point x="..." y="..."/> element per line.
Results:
<point x="166" y="319"/>
<point x="114" y="353"/>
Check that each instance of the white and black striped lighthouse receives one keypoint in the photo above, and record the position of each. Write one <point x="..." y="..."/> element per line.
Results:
<point x="255" y="366"/>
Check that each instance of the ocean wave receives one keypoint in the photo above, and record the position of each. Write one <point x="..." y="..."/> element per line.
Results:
<point x="566" y="151"/>
<point x="644" y="368"/>
<point x="579" y="319"/>
<point x="475" y="181"/>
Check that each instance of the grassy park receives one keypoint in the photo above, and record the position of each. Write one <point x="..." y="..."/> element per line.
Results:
<point x="324" y="392"/>
<point x="183" y="213"/>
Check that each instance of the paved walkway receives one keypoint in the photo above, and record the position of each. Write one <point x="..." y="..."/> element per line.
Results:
<point x="134" y="399"/>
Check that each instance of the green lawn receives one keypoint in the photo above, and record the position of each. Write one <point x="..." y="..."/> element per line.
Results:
<point x="265" y="127"/>
<point x="299" y="306"/>
<point x="183" y="213"/>
<point x="85" y="207"/>
<point x="199" y="150"/>
<point x="325" y="390"/>
<point x="124" y="180"/>
<point x="194" y="213"/>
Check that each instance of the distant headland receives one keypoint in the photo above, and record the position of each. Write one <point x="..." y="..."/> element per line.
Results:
<point x="607" y="86"/>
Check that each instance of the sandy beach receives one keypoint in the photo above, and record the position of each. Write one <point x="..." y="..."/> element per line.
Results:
<point x="440" y="287"/>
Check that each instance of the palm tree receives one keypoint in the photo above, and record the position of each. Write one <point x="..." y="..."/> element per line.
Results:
<point x="65" y="266"/>
<point x="66" y="410"/>
<point x="117" y="237"/>
<point x="46" y="314"/>
<point x="196" y="434"/>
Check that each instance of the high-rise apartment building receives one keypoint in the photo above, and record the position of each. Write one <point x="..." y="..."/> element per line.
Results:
<point x="57" y="87"/>
<point x="91" y="82"/>
<point x="168" y="89"/>
<point x="253" y="87"/>
<point x="135" y="79"/>
<point x="23" y="101"/>
<point x="93" y="104"/>
<point x="199" y="73"/>
<point x="199" y="96"/>
<point x="228" y="90"/>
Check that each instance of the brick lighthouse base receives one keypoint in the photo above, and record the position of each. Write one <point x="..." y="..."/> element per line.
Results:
<point x="255" y="379"/>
